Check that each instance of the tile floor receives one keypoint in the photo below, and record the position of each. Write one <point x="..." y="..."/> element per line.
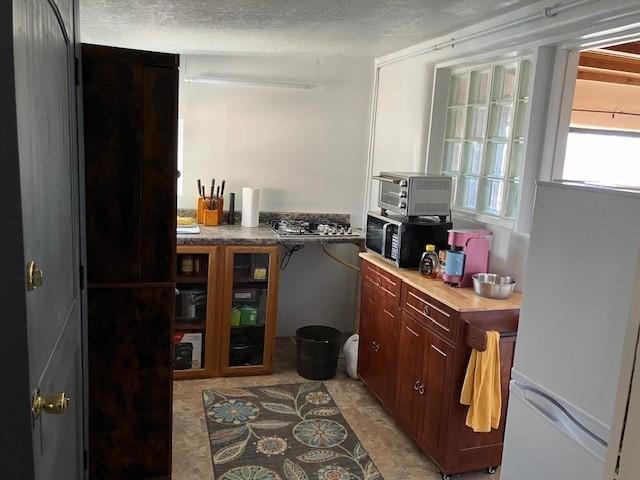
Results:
<point x="393" y="452"/>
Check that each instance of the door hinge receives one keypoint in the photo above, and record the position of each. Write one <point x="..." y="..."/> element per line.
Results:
<point x="81" y="277"/>
<point x="85" y="460"/>
<point x="76" y="70"/>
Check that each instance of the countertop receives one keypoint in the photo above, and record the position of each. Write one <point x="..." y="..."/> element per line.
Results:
<point x="261" y="235"/>
<point x="460" y="299"/>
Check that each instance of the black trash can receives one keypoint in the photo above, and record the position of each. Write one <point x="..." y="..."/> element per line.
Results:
<point x="318" y="349"/>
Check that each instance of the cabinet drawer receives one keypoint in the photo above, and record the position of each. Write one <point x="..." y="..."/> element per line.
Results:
<point x="386" y="282"/>
<point x="438" y="317"/>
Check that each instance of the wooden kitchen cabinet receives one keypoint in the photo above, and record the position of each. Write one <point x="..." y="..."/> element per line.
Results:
<point x="198" y="275"/>
<point x="378" y="345"/>
<point x="428" y="348"/>
<point x="237" y="319"/>
<point x="437" y="364"/>
<point x="249" y="310"/>
<point x="410" y="379"/>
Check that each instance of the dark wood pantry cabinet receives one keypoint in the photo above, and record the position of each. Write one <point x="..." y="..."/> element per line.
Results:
<point x="415" y="342"/>
<point x="130" y="108"/>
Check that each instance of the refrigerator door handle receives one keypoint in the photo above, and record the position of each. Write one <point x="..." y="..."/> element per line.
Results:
<point x="558" y="416"/>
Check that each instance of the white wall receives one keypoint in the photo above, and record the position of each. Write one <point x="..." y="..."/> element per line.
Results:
<point x="401" y="119"/>
<point x="305" y="149"/>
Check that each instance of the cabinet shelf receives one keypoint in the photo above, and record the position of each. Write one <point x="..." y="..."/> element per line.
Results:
<point x="198" y="326"/>
<point x="192" y="279"/>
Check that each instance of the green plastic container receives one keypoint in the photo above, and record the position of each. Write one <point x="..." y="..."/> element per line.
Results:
<point x="236" y="315"/>
<point x="248" y="315"/>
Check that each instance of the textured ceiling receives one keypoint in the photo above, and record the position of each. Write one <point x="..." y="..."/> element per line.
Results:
<point x="347" y="27"/>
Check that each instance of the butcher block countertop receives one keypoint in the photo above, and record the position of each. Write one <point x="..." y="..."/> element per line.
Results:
<point x="460" y="299"/>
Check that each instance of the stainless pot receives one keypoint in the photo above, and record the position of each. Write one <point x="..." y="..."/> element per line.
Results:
<point x="190" y="304"/>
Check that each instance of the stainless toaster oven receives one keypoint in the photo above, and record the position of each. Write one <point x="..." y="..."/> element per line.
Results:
<point x="411" y="194"/>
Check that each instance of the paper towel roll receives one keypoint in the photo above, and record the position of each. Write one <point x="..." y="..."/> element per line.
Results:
<point x="250" y="207"/>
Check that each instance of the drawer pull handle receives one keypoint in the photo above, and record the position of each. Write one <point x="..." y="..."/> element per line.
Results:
<point x="421" y="389"/>
<point x="416" y="386"/>
<point x="411" y="331"/>
<point x="438" y="324"/>
<point x="422" y="300"/>
<point x="426" y="310"/>
<point x="375" y="346"/>
<point x="439" y="351"/>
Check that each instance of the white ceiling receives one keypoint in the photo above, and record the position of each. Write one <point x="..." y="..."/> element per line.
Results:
<point x="345" y="27"/>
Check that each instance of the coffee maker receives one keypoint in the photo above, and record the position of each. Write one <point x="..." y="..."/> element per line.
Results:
<point x="469" y="254"/>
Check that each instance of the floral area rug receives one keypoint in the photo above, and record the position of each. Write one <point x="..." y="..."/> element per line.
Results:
<point x="283" y="432"/>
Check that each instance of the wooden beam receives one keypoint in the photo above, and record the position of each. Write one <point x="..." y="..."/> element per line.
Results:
<point x="606" y="76"/>
<point x="631" y="47"/>
<point x="609" y="61"/>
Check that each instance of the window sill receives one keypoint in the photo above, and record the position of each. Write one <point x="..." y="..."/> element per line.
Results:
<point x="474" y="216"/>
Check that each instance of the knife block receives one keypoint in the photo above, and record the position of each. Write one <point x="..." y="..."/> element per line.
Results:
<point x="213" y="217"/>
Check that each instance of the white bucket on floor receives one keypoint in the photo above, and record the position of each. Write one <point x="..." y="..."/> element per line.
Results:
<point x="350" y="350"/>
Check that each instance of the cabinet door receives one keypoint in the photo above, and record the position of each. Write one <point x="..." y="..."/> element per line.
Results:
<point x="409" y="377"/>
<point x="366" y="332"/>
<point x="437" y="364"/>
<point x="249" y="313"/>
<point x="386" y="350"/>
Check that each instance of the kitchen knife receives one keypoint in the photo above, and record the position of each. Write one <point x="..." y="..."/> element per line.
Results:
<point x="199" y="187"/>
<point x="222" y="189"/>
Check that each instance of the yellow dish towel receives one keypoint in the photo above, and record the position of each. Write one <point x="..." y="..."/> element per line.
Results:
<point x="481" y="389"/>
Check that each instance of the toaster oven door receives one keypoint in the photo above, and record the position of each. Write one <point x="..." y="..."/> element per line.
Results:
<point x="392" y="194"/>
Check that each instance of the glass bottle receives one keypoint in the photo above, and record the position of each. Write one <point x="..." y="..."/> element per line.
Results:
<point x="429" y="262"/>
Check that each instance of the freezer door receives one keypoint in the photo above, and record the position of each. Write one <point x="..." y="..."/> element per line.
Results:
<point x="579" y="288"/>
<point x="543" y="441"/>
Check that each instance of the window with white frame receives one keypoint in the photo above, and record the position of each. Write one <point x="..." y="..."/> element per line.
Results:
<point x="485" y="135"/>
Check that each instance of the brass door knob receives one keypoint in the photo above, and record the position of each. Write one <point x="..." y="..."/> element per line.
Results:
<point x="55" y="404"/>
<point x="35" y="276"/>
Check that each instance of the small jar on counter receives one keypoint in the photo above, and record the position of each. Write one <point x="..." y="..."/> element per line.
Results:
<point x="429" y="262"/>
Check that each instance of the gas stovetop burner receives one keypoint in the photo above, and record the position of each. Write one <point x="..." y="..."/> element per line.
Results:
<point x="286" y="227"/>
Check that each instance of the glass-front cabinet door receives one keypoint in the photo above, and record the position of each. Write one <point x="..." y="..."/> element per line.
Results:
<point x="193" y="335"/>
<point x="249" y="313"/>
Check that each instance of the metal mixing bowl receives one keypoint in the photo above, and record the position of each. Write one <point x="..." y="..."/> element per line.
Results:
<point x="493" y="285"/>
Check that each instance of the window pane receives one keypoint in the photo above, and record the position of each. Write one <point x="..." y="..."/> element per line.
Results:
<point x="479" y="89"/>
<point x="513" y="200"/>
<point x="492" y="191"/>
<point x="517" y="160"/>
<point x="501" y="121"/>
<point x="476" y="119"/>
<point x="454" y="188"/>
<point x="451" y="161"/>
<point x="454" y="123"/>
<point x="504" y="83"/>
<point x="496" y="160"/>
<point x="472" y="158"/>
<point x="520" y="122"/>
<point x="467" y="191"/>
<point x="458" y="90"/>
<point x="604" y="157"/>
<point x="525" y="78"/>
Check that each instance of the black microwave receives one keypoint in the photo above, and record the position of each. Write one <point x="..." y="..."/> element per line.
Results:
<point x="403" y="242"/>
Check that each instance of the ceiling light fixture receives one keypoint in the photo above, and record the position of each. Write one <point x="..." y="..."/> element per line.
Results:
<point x="251" y="82"/>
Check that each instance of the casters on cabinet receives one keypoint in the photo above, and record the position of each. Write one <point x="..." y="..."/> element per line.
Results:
<point x="444" y="476"/>
<point x="492" y="470"/>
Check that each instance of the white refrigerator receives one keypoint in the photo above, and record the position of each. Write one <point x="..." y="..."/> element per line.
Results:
<point x="577" y="337"/>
